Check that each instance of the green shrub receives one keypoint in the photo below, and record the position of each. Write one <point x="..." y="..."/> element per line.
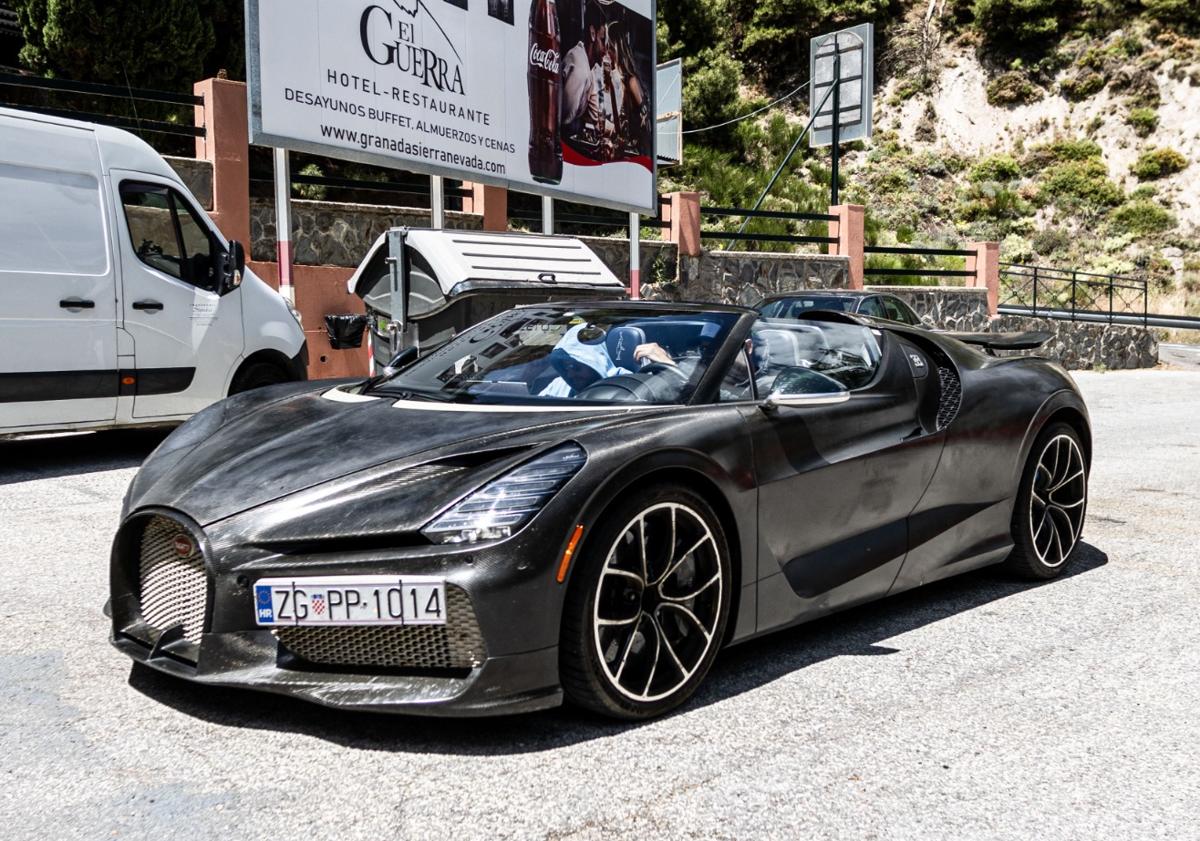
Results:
<point x="990" y="200"/>
<point x="711" y="88"/>
<point x="1143" y="120"/>
<point x="1061" y="150"/>
<point x="1011" y="22"/>
<point x="1183" y="11"/>
<point x="1141" y="217"/>
<point x="1084" y="85"/>
<point x="1084" y="183"/>
<point x="996" y="168"/>
<point x="1158" y="163"/>
<point x="1012" y="88"/>
<point x="1050" y="240"/>
<point x="315" y="192"/>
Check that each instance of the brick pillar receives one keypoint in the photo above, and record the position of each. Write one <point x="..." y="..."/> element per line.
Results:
<point x="850" y="231"/>
<point x="490" y="202"/>
<point x="226" y="145"/>
<point x="682" y="212"/>
<point x="986" y="265"/>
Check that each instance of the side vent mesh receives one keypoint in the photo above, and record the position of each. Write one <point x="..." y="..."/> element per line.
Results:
<point x="950" y="396"/>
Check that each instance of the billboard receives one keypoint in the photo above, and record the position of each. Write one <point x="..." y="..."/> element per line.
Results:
<point x="547" y="97"/>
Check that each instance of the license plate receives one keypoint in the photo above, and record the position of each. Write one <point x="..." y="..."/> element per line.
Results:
<point x="350" y="600"/>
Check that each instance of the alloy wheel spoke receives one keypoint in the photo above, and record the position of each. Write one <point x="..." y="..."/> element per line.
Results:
<point x="1065" y="517"/>
<point x="676" y="564"/>
<point x="1078" y="473"/>
<point x="657" y="652"/>
<point x="624" y="573"/>
<point x="690" y="596"/>
<point x="670" y="649"/>
<point x="628" y="648"/>
<point x="690" y="615"/>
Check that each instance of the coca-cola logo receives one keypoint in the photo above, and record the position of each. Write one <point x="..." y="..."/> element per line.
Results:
<point x="547" y="59"/>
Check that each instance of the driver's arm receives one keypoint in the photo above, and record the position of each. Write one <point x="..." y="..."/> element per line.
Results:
<point x="652" y="352"/>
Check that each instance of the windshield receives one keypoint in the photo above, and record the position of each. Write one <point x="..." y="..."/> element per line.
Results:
<point x="792" y="307"/>
<point x="555" y="355"/>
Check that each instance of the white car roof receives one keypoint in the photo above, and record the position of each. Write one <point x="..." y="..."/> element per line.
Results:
<point x="460" y="256"/>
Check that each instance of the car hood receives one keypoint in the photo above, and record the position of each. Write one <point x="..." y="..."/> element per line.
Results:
<point x="244" y="453"/>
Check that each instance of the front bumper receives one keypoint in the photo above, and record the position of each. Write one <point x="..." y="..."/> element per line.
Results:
<point x="252" y="660"/>
<point x="507" y="664"/>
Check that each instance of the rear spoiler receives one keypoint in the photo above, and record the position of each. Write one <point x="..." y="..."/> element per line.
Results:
<point x="991" y="342"/>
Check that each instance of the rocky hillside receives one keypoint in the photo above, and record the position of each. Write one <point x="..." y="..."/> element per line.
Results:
<point x="1069" y="132"/>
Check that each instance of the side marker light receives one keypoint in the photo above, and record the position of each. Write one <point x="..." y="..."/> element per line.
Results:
<point x="566" y="558"/>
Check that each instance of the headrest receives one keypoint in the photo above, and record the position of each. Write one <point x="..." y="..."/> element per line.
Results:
<point x="622" y="341"/>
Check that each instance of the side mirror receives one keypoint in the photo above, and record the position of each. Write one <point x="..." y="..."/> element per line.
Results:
<point x="800" y="386"/>
<point x="401" y="360"/>
<point x="233" y="265"/>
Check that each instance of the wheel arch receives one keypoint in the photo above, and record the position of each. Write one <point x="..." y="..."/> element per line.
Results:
<point x="1075" y="419"/>
<point x="698" y="474"/>
<point x="296" y="369"/>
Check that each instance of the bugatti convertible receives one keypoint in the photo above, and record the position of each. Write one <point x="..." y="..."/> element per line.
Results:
<point x="586" y="501"/>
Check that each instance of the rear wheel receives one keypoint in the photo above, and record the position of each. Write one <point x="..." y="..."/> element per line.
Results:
<point x="648" y="605"/>
<point x="257" y="375"/>
<point x="1051" y="504"/>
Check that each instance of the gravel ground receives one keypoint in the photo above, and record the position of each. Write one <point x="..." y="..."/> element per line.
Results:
<point x="976" y="708"/>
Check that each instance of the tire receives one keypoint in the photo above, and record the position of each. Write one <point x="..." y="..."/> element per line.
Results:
<point x="257" y="375"/>
<point x="1051" y="504"/>
<point x="612" y="616"/>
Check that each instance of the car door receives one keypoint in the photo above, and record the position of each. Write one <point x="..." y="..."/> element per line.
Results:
<point x="897" y="310"/>
<point x="187" y="336"/>
<point x="58" y="311"/>
<point x="837" y="478"/>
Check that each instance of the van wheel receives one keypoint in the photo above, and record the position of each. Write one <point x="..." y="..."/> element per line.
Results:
<point x="258" y="375"/>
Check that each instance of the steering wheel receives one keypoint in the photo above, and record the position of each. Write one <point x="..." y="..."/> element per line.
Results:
<point x="655" y="368"/>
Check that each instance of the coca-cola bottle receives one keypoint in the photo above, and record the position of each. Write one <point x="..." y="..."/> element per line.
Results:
<point x="545" y="98"/>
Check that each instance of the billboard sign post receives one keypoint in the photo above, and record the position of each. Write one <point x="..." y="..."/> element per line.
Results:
<point x="553" y="97"/>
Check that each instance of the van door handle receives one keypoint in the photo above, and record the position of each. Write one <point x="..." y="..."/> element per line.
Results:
<point x="77" y="304"/>
<point x="147" y="306"/>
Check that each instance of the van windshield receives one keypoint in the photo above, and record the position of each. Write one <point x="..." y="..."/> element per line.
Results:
<point x="590" y="355"/>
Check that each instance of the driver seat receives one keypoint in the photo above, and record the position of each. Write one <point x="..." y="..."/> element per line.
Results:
<point x="622" y="341"/>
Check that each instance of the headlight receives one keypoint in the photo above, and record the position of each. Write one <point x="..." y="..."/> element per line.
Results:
<point x="501" y="507"/>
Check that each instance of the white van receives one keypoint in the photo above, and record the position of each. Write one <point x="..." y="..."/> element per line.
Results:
<point x="121" y="304"/>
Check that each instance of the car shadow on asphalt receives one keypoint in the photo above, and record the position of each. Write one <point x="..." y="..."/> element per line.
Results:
<point x="74" y="454"/>
<point x="855" y="632"/>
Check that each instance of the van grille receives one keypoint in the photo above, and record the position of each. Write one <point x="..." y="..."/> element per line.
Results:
<point x="456" y="645"/>
<point x="172" y="588"/>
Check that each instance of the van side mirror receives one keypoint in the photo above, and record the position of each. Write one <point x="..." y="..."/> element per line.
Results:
<point x="232" y="266"/>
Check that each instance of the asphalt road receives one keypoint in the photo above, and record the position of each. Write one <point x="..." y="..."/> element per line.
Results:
<point x="977" y="708"/>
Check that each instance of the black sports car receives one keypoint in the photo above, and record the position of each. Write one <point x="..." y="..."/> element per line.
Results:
<point x="860" y="301"/>
<point x="589" y="500"/>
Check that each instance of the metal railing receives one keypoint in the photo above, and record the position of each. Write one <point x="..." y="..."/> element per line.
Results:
<point x="778" y="215"/>
<point x="1069" y="294"/>
<point x="918" y="253"/>
<point x="580" y="220"/>
<point x="10" y="82"/>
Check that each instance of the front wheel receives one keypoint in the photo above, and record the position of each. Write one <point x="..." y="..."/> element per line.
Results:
<point x="1051" y="504"/>
<point x="258" y="375"/>
<point x="648" y="606"/>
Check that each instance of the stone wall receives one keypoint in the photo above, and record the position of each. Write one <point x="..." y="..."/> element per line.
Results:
<point x="746" y="277"/>
<point x="957" y="308"/>
<point x="197" y="176"/>
<point x="334" y="234"/>
<point x="1076" y="345"/>
<point x="1079" y="346"/>
<point x="657" y="259"/>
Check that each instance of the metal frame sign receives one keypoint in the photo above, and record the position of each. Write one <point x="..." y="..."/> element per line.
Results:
<point x="852" y="53"/>
<point x="669" y="89"/>
<point x="555" y="97"/>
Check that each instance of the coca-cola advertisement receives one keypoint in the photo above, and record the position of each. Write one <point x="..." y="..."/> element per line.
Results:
<point x="543" y="96"/>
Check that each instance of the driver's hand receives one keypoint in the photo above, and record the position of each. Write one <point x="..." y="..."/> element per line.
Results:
<point x="652" y="352"/>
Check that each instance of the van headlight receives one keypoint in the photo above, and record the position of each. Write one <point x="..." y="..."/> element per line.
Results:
<point x="503" y="506"/>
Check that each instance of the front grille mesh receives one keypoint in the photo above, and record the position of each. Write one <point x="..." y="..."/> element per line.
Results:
<point x="173" y="589"/>
<point x="950" y="398"/>
<point x="456" y="645"/>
